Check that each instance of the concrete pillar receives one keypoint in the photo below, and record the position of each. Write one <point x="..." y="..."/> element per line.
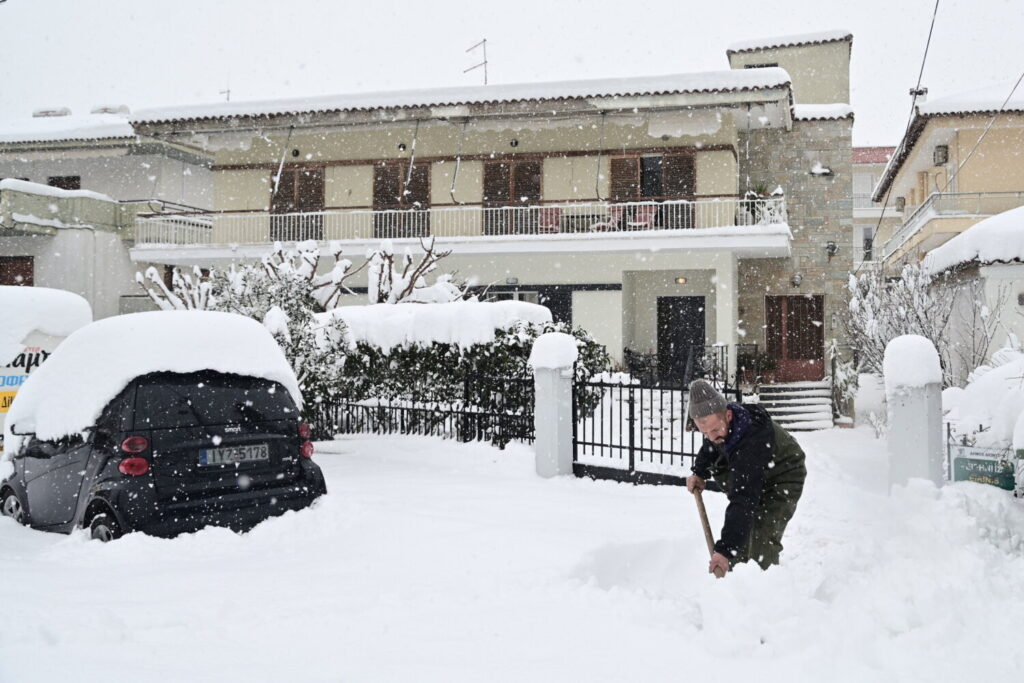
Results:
<point x="913" y="391"/>
<point x="553" y="358"/>
<point x="726" y="304"/>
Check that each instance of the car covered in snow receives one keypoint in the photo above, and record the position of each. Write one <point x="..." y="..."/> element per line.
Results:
<point x="161" y="422"/>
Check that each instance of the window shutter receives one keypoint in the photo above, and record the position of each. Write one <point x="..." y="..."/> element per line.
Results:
<point x="387" y="186"/>
<point x="680" y="178"/>
<point x="417" y="192"/>
<point x="309" y="195"/>
<point x="527" y="182"/>
<point x="283" y="200"/>
<point x="496" y="182"/>
<point x="625" y="178"/>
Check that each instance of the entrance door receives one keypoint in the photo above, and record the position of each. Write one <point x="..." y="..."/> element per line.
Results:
<point x="297" y="206"/>
<point x="796" y="336"/>
<point x="680" y="338"/>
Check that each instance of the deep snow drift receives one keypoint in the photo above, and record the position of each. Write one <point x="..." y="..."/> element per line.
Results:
<point x="431" y="560"/>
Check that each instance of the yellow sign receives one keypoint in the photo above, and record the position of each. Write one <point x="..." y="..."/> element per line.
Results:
<point x="6" y="399"/>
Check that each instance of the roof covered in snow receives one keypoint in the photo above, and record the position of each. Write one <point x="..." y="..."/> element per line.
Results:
<point x="38" y="309"/>
<point x="999" y="238"/>
<point x="66" y="128"/>
<point x="1006" y="96"/>
<point x="822" y="112"/>
<point x="731" y="80"/>
<point x="68" y="392"/>
<point x="815" y="38"/>
<point x="49" y="191"/>
<point x="872" y="155"/>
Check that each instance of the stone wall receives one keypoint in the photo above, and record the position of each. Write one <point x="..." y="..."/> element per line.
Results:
<point x="820" y="210"/>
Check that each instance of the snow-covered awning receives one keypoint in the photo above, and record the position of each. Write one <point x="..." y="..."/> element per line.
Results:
<point x="822" y="112"/>
<point x="66" y="128"/>
<point x="815" y="38"/>
<point x="998" y="239"/>
<point x="733" y="80"/>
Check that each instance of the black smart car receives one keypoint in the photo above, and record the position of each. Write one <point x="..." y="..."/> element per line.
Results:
<point x="171" y="453"/>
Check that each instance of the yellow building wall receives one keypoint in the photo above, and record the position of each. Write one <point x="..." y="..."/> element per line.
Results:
<point x="717" y="173"/>
<point x="600" y="314"/>
<point x="574" y="178"/>
<point x="348" y="186"/>
<point x="242" y="190"/>
<point x="997" y="165"/>
<point x="820" y="73"/>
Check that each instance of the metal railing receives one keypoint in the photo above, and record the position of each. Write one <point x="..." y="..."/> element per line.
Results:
<point x="208" y="228"/>
<point x="951" y="204"/>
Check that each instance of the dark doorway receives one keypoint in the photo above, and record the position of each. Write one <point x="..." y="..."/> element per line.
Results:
<point x="795" y="331"/>
<point x="297" y="206"/>
<point x="680" y="338"/>
<point x="17" y="271"/>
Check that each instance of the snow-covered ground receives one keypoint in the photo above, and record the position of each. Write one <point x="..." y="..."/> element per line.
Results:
<point x="436" y="561"/>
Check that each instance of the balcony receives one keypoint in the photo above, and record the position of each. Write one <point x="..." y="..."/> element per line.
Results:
<point x="473" y="223"/>
<point x="944" y="215"/>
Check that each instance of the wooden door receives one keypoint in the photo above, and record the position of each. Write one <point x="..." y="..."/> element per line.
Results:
<point x="680" y="339"/>
<point x="17" y="271"/>
<point x="297" y="206"/>
<point x="795" y="331"/>
<point x="401" y="200"/>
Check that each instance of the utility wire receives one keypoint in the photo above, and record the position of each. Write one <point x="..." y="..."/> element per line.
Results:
<point x="910" y="120"/>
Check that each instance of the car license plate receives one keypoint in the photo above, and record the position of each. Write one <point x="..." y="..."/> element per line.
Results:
<point x="230" y="455"/>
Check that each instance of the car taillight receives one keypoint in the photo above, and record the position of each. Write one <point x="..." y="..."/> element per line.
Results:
<point x="135" y="444"/>
<point x="306" y="449"/>
<point x="304" y="430"/>
<point x="134" y="467"/>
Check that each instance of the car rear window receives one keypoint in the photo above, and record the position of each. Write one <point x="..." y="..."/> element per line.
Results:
<point x="163" y="401"/>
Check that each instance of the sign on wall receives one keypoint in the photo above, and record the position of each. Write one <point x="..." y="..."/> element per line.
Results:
<point x="984" y="466"/>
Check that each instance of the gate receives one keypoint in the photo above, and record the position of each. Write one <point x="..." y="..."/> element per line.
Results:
<point x="633" y="432"/>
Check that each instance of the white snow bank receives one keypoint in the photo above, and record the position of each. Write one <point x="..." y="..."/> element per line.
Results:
<point x="16" y="185"/>
<point x="997" y="238"/>
<point x="554" y="350"/>
<point x="790" y="40"/>
<point x="68" y="392"/>
<point x="910" y="361"/>
<point x="463" y="323"/>
<point x="989" y="408"/>
<point x="53" y="128"/>
<point x="812" y="112"/>
<point x="55" y="312"/>
<point x="984" y="99"/>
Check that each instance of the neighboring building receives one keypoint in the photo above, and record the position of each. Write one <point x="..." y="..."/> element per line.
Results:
<point x="662" y="214"/>
<point x="873" y="224"/>
<point x="959" y="163"/>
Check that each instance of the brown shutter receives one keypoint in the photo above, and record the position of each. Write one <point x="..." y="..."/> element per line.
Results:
<point x="625" y="179"/>
<point x="309" y="193"/>
<point x="283" y="200"/>
<point x="387" y="186"/>
<point x="678" y="176"/>
<point x="417" y="190"/>
<point x="17" y="271"/>
<point x="527" y="182"/>
<point x="497" y="185"/>
<point x="773" y="326"/>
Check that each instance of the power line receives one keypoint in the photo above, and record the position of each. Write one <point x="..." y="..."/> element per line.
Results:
<point x="915" y="92"/>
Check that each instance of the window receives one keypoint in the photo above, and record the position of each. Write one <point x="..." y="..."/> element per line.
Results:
<point x="868" y="245"/>
<point x="669" y="176"/>
<point x="65" y="182"/>
<point x="511" y="183"/>
<point x="16" y="271"/>
<point x="297" y="206"/>
<point x="401" y="200"/>
<point x="529" y="297"/>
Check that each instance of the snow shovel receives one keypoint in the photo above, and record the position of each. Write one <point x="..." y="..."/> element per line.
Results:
<point x="707" y="530"/>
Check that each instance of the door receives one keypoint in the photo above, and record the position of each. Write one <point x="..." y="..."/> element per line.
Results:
<point x="53" y="478"/>
<point x="680" y="338"/>
<point x="17" y="271"/>
<point x="509" y="187"/>
<point x="401" y="200"/>
<point x="796" y="336"/>
<point x="297" y="206"/>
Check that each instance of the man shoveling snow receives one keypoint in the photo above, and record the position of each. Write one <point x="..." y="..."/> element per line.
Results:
<point x="761" y="468"/>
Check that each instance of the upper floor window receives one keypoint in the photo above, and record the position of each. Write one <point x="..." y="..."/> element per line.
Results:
<point x="401" y="197"/>
<point x="65" y="182"/>
<point x="512" y="182"/>
<point x="668" y="176"/>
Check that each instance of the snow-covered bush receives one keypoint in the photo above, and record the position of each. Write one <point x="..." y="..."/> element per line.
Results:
<point x="406" y="281"/>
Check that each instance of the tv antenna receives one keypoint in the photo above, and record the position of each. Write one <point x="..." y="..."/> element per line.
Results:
<point x="482" y="44"/>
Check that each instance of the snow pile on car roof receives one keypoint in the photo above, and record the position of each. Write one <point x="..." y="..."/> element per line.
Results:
<point x="68" y="392"/>
<point x="463" y="323"/>
<point x="38" y="309"/>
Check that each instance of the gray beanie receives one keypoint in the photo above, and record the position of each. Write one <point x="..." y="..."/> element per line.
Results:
<point x="705" y="399"/>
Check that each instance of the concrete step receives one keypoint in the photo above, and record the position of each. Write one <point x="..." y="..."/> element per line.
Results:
<point x="797" y="409"/>
<point x="764" y="394"/>
<point x="809" y="426"/>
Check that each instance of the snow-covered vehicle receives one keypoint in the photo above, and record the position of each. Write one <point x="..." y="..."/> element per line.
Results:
<point x="33" y="321"/>
<point x="159" y="422"/>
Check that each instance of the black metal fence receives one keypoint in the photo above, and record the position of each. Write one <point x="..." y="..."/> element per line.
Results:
<point x="495" y="415"/>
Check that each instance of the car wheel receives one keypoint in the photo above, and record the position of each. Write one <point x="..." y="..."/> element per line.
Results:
<point x="104" y="527"/>
<point x="10" y="506"/>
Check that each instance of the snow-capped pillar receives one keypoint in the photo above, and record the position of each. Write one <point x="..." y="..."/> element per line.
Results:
<point x="553" y="358"/>
<point x="913" y="393"/>
<point x="726" y="304"/>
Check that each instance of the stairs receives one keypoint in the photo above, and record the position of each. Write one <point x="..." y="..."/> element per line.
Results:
<point x="799" y="406"/>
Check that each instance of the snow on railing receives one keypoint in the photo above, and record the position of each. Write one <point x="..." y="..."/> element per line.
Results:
<point x="963" y="204"/>
<point x="462" y="221"/>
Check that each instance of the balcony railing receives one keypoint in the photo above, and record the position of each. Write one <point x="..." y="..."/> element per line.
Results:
<point x="951" y="205"/>
<point x="214" y="228"/>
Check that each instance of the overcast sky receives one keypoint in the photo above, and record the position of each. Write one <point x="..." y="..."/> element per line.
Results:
<point x="143" y="53"/>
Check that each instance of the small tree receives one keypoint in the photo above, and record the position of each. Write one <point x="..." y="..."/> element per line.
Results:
<point x="405" y="282"/>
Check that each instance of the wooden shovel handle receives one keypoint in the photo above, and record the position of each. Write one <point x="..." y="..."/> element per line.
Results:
<point x="707" y="529"/>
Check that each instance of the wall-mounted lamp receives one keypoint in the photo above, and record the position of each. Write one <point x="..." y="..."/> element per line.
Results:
<point x="831" y="248"/>
<point x="401" y="147"/>
<point x="513" y="143"/>
<point x="680" y="280"/>
<point x="295" y="152"/>
<point x="796" y="279"/>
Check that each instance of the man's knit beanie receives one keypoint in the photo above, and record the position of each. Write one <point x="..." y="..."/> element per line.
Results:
<point x="705" y="399"/>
